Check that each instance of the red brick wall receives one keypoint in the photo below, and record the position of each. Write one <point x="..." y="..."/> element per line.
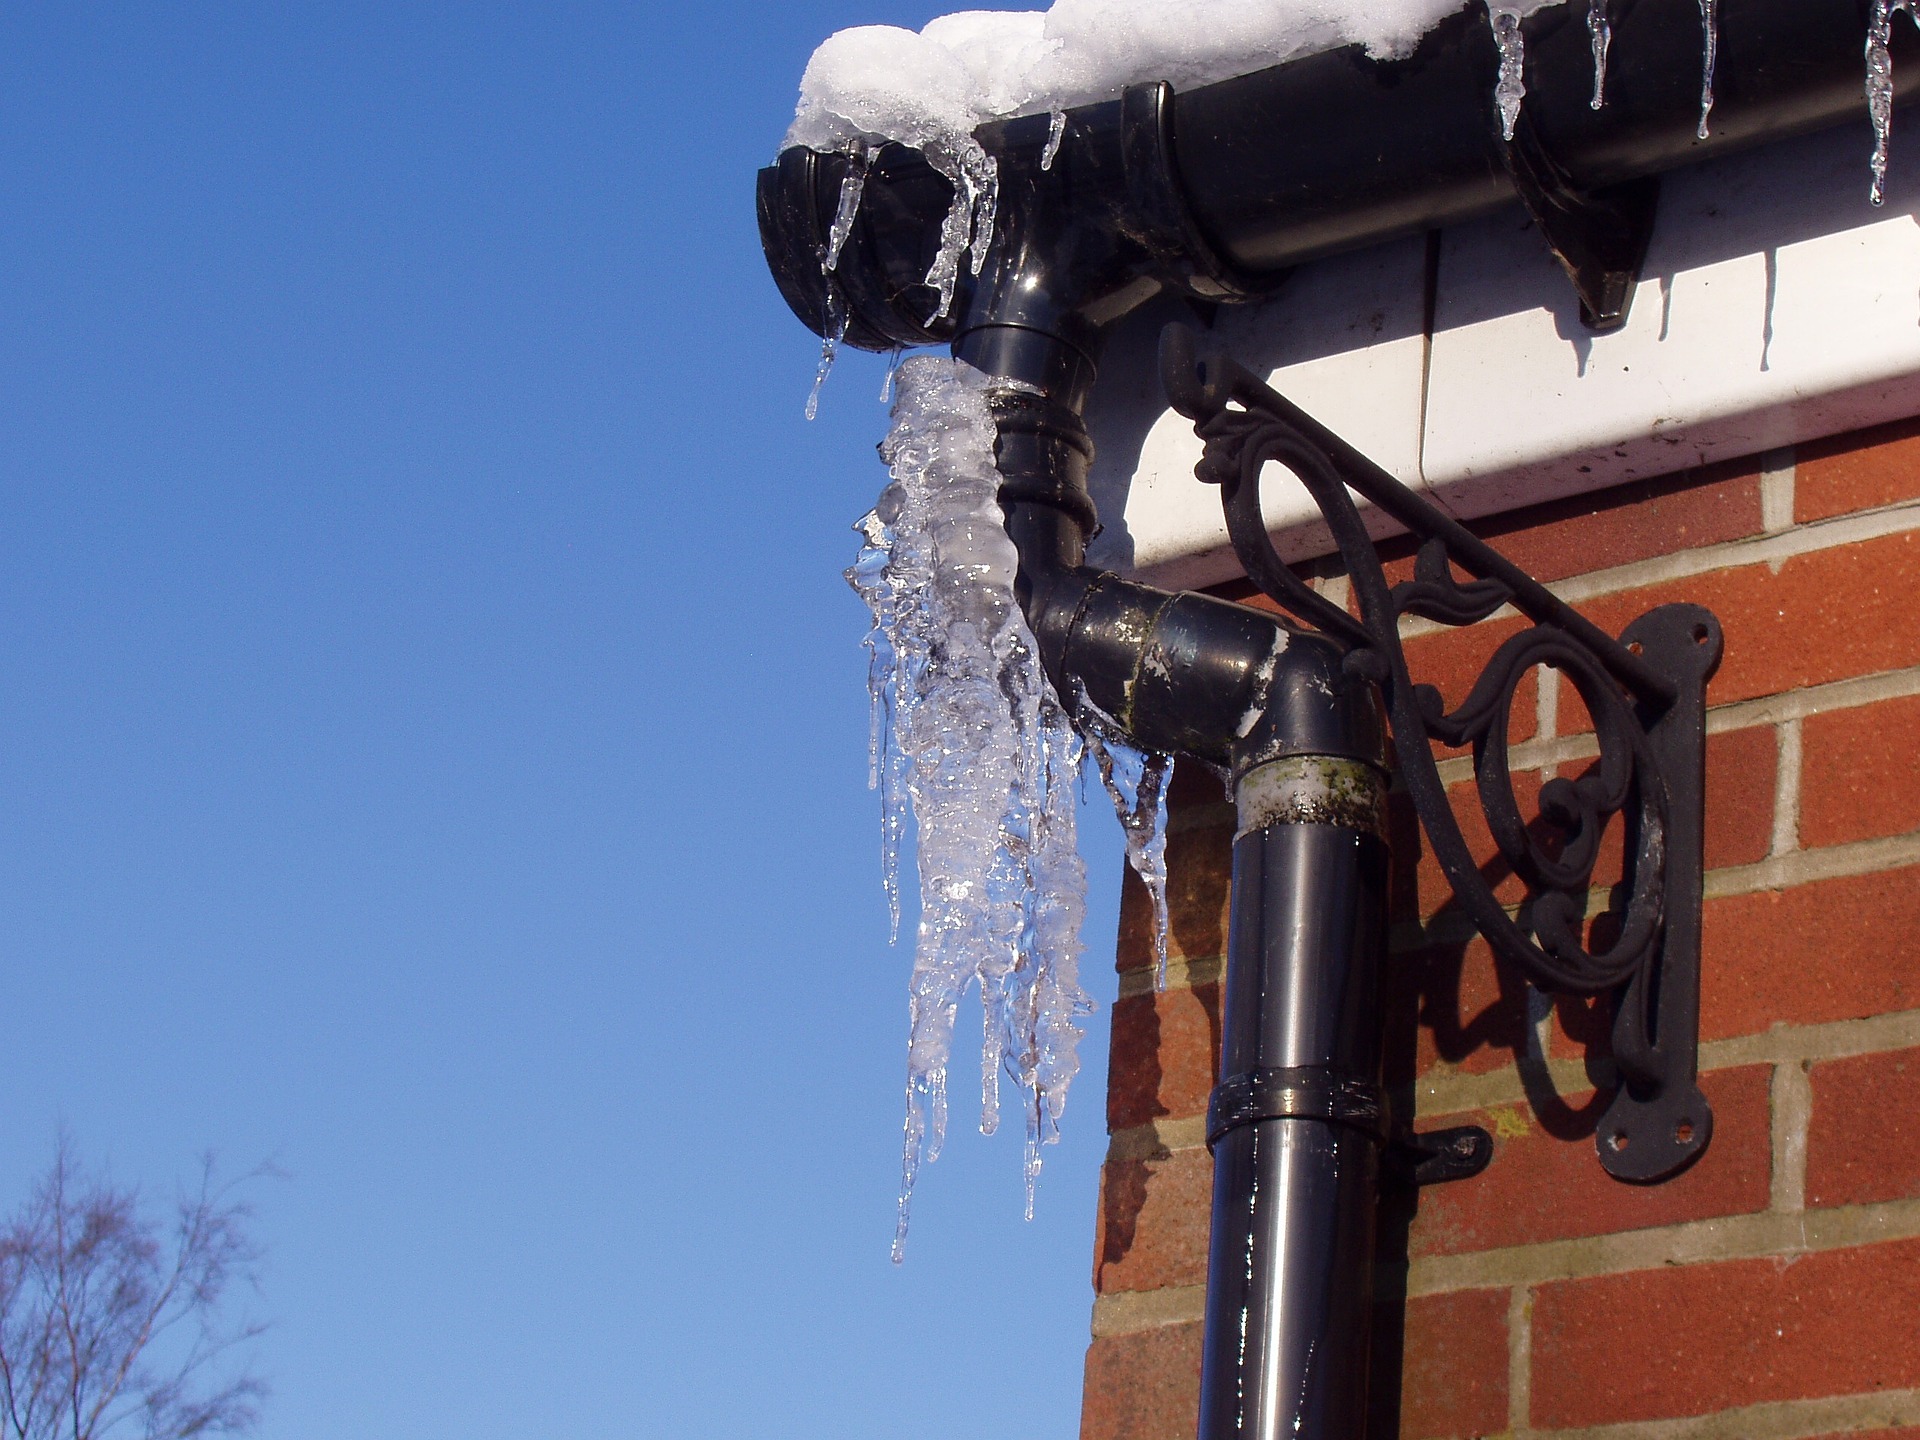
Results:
<point x="1772" y="1291"/>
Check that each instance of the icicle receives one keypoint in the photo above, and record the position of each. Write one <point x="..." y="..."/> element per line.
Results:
<point x="829" y="344"/>
<point x="1709" y="58"/>
<point x="886" y="380"/>
<point x="1602" y="33"/>
<point x="886" y="761"/>
<point x="852" y="185"/>
<point x="975" y="177"/>
<point x="1136" y="782"/>
<point x="1512" y="88"/>
<point x="1880" y="89"/>
<point x="986" y="207"/>
<point x="1056" y="132"/>
<point x="969" y="735"/>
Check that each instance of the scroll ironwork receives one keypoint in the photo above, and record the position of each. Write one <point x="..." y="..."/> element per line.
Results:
<point x="1643" y="690"/>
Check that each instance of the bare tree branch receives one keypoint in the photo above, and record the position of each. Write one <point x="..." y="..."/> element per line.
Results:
<point x="106" y="1331"/>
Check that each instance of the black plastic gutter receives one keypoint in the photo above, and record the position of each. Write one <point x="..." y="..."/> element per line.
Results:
<point x="1218" y="191"/>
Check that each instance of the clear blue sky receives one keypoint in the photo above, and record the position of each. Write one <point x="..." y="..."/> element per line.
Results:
<point x="432" y="730"/>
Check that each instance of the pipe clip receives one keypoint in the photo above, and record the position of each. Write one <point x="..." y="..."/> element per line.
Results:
<point x="1298" y="1092"/>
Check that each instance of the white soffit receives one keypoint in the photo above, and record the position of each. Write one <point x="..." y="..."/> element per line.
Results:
<point x="1777" y="306"/>
<point x="1348" y="346"/>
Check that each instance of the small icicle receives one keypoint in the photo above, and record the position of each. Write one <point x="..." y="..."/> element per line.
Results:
<point x="1602" y="33"/>
<point x="1880" y="89"/>
<point x="1136" y="782"/>
<point x="975" y="177"/>
<point x="852" y="185"/>
<point x="886" y="380"/>
<point x="986" y="205"/>
<point x="829" y="344"/>
<point x="1056" y="132"/>
<point x="1512" y="88"/>
<point x="1709" y="57"/>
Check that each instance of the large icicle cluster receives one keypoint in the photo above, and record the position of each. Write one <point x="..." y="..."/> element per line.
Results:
<point x="968" y="736"/>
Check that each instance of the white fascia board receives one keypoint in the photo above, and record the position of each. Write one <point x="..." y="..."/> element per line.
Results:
<point x="1777" y="307"/>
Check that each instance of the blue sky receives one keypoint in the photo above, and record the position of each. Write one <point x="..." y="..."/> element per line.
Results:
<point x="432" y="730"/>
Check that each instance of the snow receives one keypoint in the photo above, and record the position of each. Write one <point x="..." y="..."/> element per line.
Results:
<point x="880" y="82"/>
<point x="969" y="739"/>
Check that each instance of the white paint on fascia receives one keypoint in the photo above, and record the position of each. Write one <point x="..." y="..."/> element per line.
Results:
<point x="1775" y="300"/>
<point x="1777" y="307"/>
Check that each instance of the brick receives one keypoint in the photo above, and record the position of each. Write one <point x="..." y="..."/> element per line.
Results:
<point x="1909" y="1433"/>
<point x="1144" y="1386"/>
<point x="1834" y="950"/>
<point x="1596" y="531"/>
<point x="1434" y="891"/>
<point x="1623" y="524"/>
<point x="1545" y="1184"/>
<point x="1695" y="1339"/>
<point x="1864" y="1141"/>
<point x="1860" y="471"/>
<point x="1165" y="1053"/>
<point x="1741" y="770"/>
<point x="1454" y="1373"/>
<point x="1199" y="870"/>
<point x="1828" y="615"/>
<point x="1858" y="779"/>
<point x="1450" y="1006"/>
<point x="1452" y="660"/>
<point x="1154" y="1219"/>
<point x="1193" y="785"/>
<point x="1742" y="766"/>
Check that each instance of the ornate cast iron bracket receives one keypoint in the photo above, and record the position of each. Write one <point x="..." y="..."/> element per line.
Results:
<point x="1645" y="692"/>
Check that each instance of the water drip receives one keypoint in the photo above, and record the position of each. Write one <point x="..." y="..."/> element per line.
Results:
<point x="829" y="345"/>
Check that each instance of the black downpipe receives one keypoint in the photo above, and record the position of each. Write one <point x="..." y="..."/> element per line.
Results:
<point x="1290" y="1259"/>
<point x="1213" y="194"/>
